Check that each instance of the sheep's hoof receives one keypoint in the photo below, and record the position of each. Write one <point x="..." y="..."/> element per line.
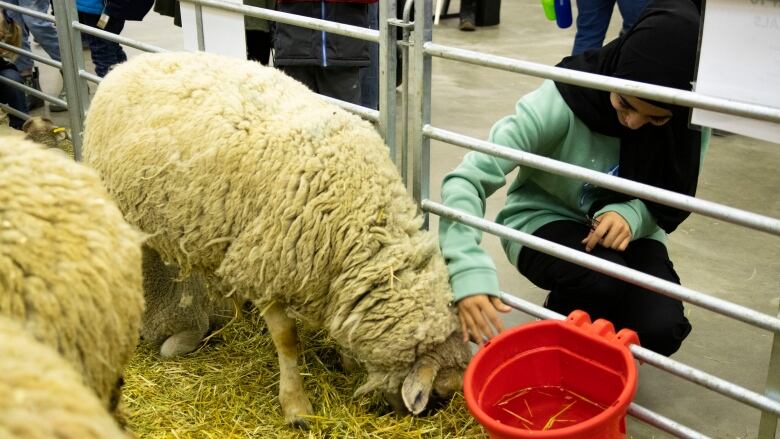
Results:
<point x="181" y="343"/>
<point x="295" y="412"/>
<point x="300" y="423"/>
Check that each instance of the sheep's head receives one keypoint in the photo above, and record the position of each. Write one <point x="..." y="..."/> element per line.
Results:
<point x="42" y="130"/>
<point x="411" y="346"/>
<point x="434" y="377"/>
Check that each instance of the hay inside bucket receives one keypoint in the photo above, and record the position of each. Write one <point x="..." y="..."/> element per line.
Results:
<point x="228" y="389"/>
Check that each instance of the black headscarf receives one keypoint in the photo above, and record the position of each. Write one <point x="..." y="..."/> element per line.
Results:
<point x="660" y="49"/>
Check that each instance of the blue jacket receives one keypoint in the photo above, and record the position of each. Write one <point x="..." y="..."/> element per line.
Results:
<point x="90" y="6"/>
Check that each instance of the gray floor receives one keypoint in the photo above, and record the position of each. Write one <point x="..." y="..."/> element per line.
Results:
<point x="720" y="259"/>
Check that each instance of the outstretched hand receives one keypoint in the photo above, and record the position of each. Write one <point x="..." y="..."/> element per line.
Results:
<point x="611" y="231"/>
<point x="478" y="318"/>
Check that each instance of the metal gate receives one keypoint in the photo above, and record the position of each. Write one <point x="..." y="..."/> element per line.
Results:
<point x="411" y="152"/>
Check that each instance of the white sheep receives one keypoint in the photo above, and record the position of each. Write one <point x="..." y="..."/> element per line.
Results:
<point x="70" y="266"/>
<point x="239" y="172"/>
<point x="42" y="396"/>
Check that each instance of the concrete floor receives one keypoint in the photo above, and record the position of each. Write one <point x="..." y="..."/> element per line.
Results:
<point x="720" y="259"/>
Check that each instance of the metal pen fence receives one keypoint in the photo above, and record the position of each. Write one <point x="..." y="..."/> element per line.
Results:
<point x="412" y="155"/>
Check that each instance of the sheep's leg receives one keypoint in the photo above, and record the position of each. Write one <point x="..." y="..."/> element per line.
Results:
<point x="295" y="404"/>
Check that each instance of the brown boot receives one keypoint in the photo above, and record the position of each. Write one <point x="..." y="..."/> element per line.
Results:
<point x="468" y="17"/>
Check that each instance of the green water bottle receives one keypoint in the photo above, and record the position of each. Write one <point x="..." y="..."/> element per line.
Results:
<point x="549" y="9"/>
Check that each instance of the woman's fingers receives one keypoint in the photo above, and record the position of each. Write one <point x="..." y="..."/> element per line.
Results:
<point x="499" y="305"/>
<point x="478" y="317"/>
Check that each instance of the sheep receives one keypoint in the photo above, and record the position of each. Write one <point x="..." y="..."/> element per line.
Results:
<point x="42" y="130"/>
<point x="70" y="266"/>
<point x="42" y="396"/>
<point x="179" y="311"/>
<point x="241" y="173"/>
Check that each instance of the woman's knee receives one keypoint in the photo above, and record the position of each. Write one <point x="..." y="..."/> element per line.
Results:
<point x="664" y="335"/>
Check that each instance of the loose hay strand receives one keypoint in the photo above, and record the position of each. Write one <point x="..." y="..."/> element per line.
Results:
<point x="228" y="389"/>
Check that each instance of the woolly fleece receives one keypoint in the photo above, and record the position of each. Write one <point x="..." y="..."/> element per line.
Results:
<point x="70" y="266"/>
<point x="42" y="396"/>
<point x="238" y="170"/>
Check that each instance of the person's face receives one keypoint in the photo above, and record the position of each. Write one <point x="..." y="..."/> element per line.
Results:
<point x="634" y="113"/>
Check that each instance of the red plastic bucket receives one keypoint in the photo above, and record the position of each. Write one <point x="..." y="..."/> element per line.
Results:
<point x="554" y="379"/>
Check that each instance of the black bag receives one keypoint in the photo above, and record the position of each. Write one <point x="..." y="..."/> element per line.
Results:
<point x="132" y="10"/>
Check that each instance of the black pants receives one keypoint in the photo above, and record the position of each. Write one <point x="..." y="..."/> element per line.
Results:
<point x="659" y="320"/>
<point x="337" y="82"/>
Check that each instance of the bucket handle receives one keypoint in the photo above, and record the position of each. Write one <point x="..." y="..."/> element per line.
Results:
<point x="602" y="328"/>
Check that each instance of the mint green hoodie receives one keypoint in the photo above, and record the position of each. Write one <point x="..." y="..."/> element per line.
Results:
<point x="543" y="124"/>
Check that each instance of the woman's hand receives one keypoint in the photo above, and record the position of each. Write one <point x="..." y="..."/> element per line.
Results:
<point x="611" y="231"/>
<point x="478" y="318"/>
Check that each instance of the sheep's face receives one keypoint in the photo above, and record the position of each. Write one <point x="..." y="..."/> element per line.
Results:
<point x="434" y="378"/>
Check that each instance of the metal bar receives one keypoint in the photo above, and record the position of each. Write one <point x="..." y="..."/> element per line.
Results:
<point x="365" y="113"/>
<point x="767" y="427"/>
<point x="72" y="59"/>
<point x="116" y="38"/>
<point x="684" y="202"/>
<point x="90" y="77"/>
<point x="30" y="90"/>
<point x="46" y="17"/>
<point x="663" y="423"/>
<point x="674" y="367"/>
<point x="13" y="111"/>
<point x="406" y="35"/>
<point x="347" y="30"/>
<point x="617" y="271"/>
<point x="420" y="100"/>
<point x="387" y="76"/>
<point x="199" y="27"/>
<point x="39" y="58"/>
<point x="607" y="83"/>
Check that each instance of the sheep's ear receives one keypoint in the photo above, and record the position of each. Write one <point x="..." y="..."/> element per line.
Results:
<point x="417" y="386"/>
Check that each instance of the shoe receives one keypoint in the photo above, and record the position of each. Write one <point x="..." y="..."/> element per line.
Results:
<point x="55" y="108"/>
<point x="467" y="24"/>
<point x="32" y="80"/>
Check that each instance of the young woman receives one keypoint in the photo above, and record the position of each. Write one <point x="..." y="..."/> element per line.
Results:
<point x="641" y="140"/>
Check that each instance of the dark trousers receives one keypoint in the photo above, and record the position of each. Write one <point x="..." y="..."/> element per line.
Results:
<point x="105" y="54"/>
<point x="12" y="96"/>
<point x="341" y="83"/>
<point x="659" y="320"/>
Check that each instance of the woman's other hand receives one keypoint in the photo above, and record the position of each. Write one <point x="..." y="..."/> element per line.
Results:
<point x="478" y="318"/>
<point x="611" y="231"/>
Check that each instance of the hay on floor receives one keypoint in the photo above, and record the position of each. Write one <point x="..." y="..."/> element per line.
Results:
<point x="228" y="389"/>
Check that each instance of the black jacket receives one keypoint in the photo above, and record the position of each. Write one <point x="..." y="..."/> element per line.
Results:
<point x="297" y="46"/>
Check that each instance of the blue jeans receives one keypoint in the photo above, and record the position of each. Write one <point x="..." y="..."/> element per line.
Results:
<point x="369" y="76"/>
<point x="44" y="32"/>
<point x="105" y="54"/>
<point x="593" y="19"/>
<point x="12" y="96"/>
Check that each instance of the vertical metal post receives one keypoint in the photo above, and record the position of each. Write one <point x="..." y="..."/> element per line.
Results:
<point x="387" y="75"/>
<point x="199" y="27"/>
<point x="405" y="47"/>
<point x="76" y="90"/>
<point x="420" y="100"/>
<point x="767" y="428"/>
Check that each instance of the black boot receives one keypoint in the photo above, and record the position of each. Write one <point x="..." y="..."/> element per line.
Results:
<point x="468" y="16"/>
<point x="33" y="81"/>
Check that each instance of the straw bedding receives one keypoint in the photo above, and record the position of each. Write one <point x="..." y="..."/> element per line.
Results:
<point x="227" y="389"/>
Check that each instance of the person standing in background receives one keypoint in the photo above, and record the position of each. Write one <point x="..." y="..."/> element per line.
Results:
<point x="326" y="63"/>
<point x="105" y="54"/>
<point x="593" y="18"/>
<point x="45" y="34"/>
